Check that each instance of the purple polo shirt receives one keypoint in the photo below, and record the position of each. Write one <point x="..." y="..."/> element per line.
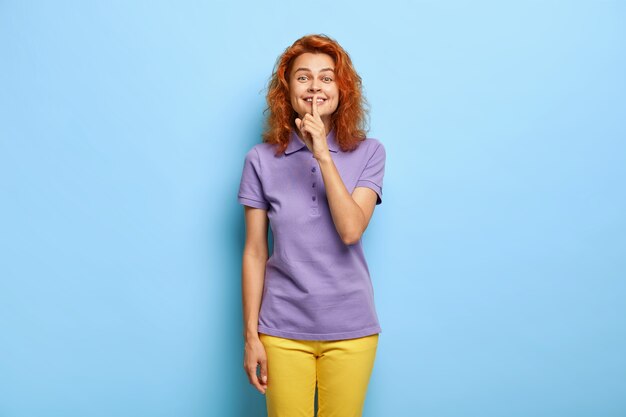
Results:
<point x="316" y="287"/>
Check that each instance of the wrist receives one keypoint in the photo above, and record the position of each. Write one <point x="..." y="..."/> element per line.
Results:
<point x="325" y="158"/>
<point x="250" y="334"/>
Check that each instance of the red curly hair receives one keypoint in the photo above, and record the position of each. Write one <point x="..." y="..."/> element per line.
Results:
<point x="349" y="120"/>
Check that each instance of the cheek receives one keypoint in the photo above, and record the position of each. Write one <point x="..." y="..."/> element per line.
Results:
<point x="294" y="100"/>
<point x="293" y="93"/>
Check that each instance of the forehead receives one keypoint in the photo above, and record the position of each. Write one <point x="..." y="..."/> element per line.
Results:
<point x="313" y="61"/>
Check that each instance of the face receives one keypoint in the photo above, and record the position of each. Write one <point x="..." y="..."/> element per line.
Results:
<point x="311" y="74"/>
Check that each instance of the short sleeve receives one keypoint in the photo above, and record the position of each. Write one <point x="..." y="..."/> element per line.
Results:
<point x="372" y="175"/>
<point x="250" y="187"/>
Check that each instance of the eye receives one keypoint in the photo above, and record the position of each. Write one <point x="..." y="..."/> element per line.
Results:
<point x="327" y="79"/>
<point x="301" y="77"/>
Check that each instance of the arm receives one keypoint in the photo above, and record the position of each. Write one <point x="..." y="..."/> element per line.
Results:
<point x="351" y="213"/>
<point x="255" y="256"/>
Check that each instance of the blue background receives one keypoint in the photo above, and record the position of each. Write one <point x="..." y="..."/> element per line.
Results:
<point x="498" y="256"/>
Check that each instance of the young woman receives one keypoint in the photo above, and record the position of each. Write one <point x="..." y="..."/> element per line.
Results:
<point x="308" y="309"/>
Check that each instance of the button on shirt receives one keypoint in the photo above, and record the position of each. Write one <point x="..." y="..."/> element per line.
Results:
<point x="316" y="287"/>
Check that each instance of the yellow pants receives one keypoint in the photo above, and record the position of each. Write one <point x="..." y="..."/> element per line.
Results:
<point x="340" y="368"/>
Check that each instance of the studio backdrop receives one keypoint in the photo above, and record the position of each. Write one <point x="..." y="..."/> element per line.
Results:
<point x="498" y="256"/>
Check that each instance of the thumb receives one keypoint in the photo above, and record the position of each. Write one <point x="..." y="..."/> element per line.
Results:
<point x="298" y="122"/>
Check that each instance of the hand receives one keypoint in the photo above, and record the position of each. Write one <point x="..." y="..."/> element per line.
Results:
<point x="313" y="131"/>
<point x="255" y="354"/>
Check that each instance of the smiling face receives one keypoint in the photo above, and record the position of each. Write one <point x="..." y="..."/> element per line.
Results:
<point x="314" y="74"/>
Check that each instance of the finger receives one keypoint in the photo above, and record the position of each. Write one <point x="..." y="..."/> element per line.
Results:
<point x="311" y="124"/>
<point x="254" y="379"/>
<point x="264" y="372"/>
<point x="301" y="127"/>
<point x="314" y="106"/>
<point x="261" y="384"/>
<point x="313" y="120"/>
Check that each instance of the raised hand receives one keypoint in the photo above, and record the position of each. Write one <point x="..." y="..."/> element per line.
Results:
<point x="313" y="131"/>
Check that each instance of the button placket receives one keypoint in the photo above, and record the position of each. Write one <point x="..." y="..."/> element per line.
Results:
<point x="314" y="202"/>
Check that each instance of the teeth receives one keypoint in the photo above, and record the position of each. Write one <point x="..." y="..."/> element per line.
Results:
<point x="319" y="99"/>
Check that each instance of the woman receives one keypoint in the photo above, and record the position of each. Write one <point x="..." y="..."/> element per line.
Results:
<point x="309" y="314"/>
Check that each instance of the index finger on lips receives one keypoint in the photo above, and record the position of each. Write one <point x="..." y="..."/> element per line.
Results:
<point x="314" y="106"/>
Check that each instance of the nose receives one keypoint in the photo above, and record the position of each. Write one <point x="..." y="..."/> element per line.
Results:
<point x="313" y="87"/>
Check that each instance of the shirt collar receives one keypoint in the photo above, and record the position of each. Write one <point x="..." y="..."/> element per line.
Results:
<point x="295" y="143"/>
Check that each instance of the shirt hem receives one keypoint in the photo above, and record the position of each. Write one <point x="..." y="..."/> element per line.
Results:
<point x="246" y="201"/>
<point x="372" y="185"/>
<point x="320" y="336"/>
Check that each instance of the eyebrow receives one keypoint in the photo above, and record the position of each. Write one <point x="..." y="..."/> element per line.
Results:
<point x="306" y="69"/>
